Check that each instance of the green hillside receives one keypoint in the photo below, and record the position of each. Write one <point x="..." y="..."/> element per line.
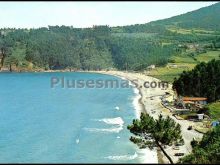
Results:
<point x="205" y="18"/>
<point x="188" y="38"/>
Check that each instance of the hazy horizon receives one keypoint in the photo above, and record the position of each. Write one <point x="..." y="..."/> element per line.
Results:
<point x="86" y="14"/>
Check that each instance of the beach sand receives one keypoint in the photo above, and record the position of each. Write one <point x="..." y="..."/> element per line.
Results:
<point x="149" y="101"/>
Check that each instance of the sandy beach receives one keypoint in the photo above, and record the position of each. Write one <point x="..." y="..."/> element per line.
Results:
<point x="150" y="102"/>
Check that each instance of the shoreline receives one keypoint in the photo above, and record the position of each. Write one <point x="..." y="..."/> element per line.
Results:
<point x="149" y="102"/>
<point x="141" y="105"/>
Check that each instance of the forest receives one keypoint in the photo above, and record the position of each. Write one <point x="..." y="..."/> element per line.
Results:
<point x="132" y="47"/>
<point x="202" y="81"/>
<point x="87" y="49"/>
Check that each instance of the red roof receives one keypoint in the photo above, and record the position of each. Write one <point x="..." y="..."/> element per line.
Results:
<point x="194" y="98"/>
<point x="189" y="102"/>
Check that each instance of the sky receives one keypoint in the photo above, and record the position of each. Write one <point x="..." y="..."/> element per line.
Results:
<point x="87" y="14"/>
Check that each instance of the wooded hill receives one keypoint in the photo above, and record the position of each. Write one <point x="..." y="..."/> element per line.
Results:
<point x="102" y="47"/>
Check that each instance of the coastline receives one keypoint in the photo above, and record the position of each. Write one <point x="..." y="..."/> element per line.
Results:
<point x="149" y="101"/>
<point x="139" y="105"/>
<point x="142" y="102"/>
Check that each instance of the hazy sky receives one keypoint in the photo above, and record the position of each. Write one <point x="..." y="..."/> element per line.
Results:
<point x="86" y="14"/>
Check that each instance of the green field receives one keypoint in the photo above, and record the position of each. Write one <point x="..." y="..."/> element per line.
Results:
<point x="208" y="56"/>
<point x="214" y="110"/>
<point x="190" y="31"/>
<point x="168" y="74"/>
<point x="134" y="35"/>
<point x="183" y="62"/>
<point x="183" y="59"/>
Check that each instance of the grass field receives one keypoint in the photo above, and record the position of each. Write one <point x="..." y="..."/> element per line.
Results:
<point x="168" y="74"/>
<point x="183" y="59"/>
<point x="214" y="110"/>
<point x="182" y="62"/>
<point x="190" y="31"/>
<point x="208" y="56"/>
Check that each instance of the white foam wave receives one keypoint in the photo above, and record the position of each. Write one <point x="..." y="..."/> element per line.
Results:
<point x="113" y="121"/>
<point x="131" y="84"/>
<point x="123" y="157"/>
<point x="107" y="130"/>
<point x="136" y="91"/>
<point x="77" y="141"/>
<point x="118" y="121"/>
<point x="148" y="156"/>
<point x="136" y="103"/>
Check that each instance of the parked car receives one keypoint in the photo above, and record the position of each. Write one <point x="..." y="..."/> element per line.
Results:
<point x="179" y="154"/>
<point x="189" y="128"/>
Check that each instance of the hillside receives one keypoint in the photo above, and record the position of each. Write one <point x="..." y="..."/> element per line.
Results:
<point x="205" y="18"/>
<point x="134" y="47"/>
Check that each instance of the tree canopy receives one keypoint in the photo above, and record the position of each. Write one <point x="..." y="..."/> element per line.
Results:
<point x="155" y="133"/>
<point x="202" y="81"/>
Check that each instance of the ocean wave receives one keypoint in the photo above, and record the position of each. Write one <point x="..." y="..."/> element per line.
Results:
<point x="131" y="84"/>
<point x="136" y="103"/>
<point x="118" y="121"/>
<point x="107" y="130"/>
<point x="148" y="156"/>
<point x="113" y="121"/>
<point x="136" y="91"/>
<point x="77" y="141"/>
<point x="123" y="157"/>
<point x="123" y="78"/>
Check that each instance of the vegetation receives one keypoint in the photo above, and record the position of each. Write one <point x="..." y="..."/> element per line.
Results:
<point x="208" y="56"/>
<point x="131" y="47"/>
<point x="155" y="133"/>
<point x="207" y="151"/>
<point x="168" y="74"/>
<point x="88" y="49"/>
<point x="190" y="41"/>
<point x="204" y="18"/>
<point x="183" y="62"/>
<point x="214" y="110"/>
<point x="202" y="81"/>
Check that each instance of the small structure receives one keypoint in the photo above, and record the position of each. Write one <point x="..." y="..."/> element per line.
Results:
<point x="215" y="123"/>
<point x="196" y="100"/>
<point x="200" y="116"/>
<point x="172" y="66"/>
<point x="193" y="103"/>
<point x="151" y="67"/>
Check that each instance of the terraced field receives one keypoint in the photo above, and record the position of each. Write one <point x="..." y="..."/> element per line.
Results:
<point x="181" y="63"/>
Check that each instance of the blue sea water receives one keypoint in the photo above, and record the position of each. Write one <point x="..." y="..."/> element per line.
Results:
<point x="40" y="124"/>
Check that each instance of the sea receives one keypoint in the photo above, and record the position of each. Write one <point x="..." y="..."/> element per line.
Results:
<point x="43" y="120"/>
